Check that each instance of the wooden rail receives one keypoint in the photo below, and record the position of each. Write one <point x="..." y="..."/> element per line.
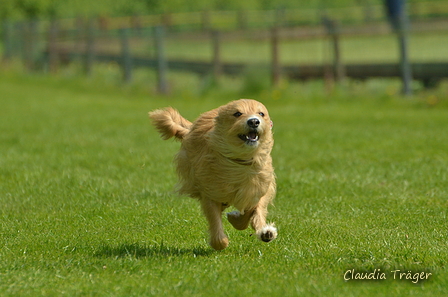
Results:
<point x="428" y="73"/>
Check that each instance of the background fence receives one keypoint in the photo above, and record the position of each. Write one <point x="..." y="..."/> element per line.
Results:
<point x="354" y="42"/>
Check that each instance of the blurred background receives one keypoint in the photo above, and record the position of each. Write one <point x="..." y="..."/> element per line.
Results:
<point x="280" y="41"/>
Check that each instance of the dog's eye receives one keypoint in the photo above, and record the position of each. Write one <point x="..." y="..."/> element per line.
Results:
<point x="237" y="114"/>
<point x="261" y="113"/>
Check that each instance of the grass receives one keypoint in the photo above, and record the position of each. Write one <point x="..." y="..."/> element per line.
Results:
<point x="88" y="208"/>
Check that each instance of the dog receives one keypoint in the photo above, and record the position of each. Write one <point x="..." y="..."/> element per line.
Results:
<point x="225" y="160"/>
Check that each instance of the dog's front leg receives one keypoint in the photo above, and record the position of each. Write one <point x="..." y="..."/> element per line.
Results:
<point x="265" y="232"/>
<point x="213" y="211"/>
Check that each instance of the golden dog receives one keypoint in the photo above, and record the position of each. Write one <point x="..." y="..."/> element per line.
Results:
<point x="225" y="160"/>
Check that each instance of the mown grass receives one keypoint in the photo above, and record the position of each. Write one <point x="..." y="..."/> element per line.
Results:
<point x="87" y="207"/>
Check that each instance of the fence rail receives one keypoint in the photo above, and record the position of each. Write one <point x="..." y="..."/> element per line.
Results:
<point x="103" y="40"/>
<point x="428" y="73"/>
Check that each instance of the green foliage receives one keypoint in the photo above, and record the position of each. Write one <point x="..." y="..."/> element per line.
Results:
<point x="72" y="8"/>
<point x="29" y="9"/>
<point x="87" y="206"/>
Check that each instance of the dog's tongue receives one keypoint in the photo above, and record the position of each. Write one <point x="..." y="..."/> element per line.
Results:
<point x="252" y="136"/>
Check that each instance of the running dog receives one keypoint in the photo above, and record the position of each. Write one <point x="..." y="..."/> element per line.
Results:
<point x="225" y="160"/>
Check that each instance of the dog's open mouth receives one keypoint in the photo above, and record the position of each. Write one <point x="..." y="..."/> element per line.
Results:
<point x="249" y="138"/>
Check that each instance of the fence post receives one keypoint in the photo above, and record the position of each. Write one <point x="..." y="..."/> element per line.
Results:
<point x="25" y="42"/>
<point x="126" y="56"/>
<point x="53" y="60"/>
<point x="30" y="30"/>
<point x="406" y="71"/>
<point x="275" y="56"/>
<point x="7" y="41"/>
<point x="217" y="66"/>
<point x="333" y="32"/>
<point x="18" y="39"/>
<point x="162" y="65"/>
<point x="78" y="38"/>
<point x="90" y="47"/>
<point x="396" y="10"/>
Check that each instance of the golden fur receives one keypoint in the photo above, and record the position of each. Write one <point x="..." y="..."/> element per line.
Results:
<point x="225" y="160"/>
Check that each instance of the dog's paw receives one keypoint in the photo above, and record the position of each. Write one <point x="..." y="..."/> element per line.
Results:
<point x="219" y="243"/>
<point x="267" y="233"/>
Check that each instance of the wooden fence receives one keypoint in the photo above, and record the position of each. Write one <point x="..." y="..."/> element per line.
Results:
<point x="90" y="41"/>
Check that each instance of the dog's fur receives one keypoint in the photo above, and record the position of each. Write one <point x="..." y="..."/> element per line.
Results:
<point x="225" y="160"/>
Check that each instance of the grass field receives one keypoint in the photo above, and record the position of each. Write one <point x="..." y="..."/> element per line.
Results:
<point x="87" y="207"/>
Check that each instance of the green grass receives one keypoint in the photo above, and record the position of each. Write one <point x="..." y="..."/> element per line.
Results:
<point x="87" y="207"/>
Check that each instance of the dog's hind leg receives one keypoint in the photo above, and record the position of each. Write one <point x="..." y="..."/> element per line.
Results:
<point x="213" y="212"/>
<point x="265" y="232"/>
<point x="239" y="221"/>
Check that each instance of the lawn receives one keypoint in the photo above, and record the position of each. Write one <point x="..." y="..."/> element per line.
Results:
<point x="88" y="209"/>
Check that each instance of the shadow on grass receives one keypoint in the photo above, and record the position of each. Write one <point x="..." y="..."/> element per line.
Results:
<point x="141" y="251"/>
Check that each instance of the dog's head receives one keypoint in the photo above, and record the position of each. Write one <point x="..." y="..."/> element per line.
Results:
<point x="243" y="126"/>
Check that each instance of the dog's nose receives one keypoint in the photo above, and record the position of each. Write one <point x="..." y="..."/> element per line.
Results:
<point x="253" y="122"/>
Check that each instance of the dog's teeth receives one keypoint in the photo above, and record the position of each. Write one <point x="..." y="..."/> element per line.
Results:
<point x="251" y="137"/>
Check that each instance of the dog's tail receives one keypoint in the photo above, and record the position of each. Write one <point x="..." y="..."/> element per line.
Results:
<point x="169" y="123"/>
